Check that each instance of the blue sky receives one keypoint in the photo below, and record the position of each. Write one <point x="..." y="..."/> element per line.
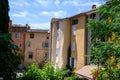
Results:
<point x="38" y="13"/>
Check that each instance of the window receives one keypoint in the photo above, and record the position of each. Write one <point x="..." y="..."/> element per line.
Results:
<point x="45" y="44"/>
<point x="30" y="56"/>
<point x="75" y="21"/>
<point x="73" y="46"/>
<point x="28" y="43"/>
<point x="73" y="30"/>
<point x="47" y="55"/>
<point x="72" y="62"/>
<point x="92" y="16"/>
<point x="47" y="37"/>
<point x="20" y="44"/>
<point x="31" y="35"/>
<point x="16" y="35"/>
<point x="57" y="25"/>
<point x="56" y="65"/>
<point x="56" y="51"/>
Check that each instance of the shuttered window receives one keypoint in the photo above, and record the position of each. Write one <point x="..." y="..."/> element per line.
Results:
<point x="73" y="46"/>
<point x="72" y="62"/>
<point x="73" y="30"/>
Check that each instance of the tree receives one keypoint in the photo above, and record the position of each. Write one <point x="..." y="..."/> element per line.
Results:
<point x="105" y="42"/>
<point x="9" y="59"/>
<point x="47" y="73"/>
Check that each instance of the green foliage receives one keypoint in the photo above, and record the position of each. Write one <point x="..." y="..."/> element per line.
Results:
<point x="33" y="73"/>
<point x="9" y="59"/>
<point x="74" y="77"/>
<point x="105" y="41"/>
<point x="47" y="73"/>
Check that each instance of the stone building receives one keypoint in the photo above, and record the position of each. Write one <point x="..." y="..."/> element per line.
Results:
<point x="36" y="47"/>
<point x="60" y="41"/>
<point x="18" y="37"/>
<point x="70" y="40"/>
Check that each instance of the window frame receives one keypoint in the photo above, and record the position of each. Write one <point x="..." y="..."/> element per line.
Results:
<point x="32" y="35"/>
<point x="73" y="45"/>
<point x="16" y="35"/>
<point x="30" y="55"/>
<point x="75" y="21"/>
<point x="74" y="30"/>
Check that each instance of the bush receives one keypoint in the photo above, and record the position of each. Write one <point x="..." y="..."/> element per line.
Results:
<point x="47" y="73"/>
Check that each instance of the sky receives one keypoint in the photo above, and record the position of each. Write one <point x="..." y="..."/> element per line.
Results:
<point x="38" y="13"/>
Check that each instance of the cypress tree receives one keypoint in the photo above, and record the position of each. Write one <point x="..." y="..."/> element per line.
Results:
<point x="9" y="59"/>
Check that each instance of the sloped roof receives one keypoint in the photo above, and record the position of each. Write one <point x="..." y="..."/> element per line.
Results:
<point x="38" y="30"/>
<point x="85" y="71"/>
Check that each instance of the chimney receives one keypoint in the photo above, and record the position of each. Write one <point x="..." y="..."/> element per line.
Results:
<point x="28" y="27"/>
<point x="93" y="6"/>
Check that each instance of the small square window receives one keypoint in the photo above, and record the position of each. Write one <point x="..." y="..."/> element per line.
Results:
<point x="31" y="35"/>
<point x="16" y="35"/>
<point x="45" y="44"/>
<point x="74" y="21"/>
<point x="30" y="56"/>
<point x="47" y="37"/>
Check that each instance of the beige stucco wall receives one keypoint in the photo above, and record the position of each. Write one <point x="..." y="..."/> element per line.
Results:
<point x="36" y="47"/>
<point x="53" y="43"/>
<point x="79" y="39"/>
<point x="62" y="43"/>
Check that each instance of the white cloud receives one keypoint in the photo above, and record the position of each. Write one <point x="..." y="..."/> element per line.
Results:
<point x="44" y="3"/>
<point x="45" y="13"/>
<point x="20" y="14"/>
<point x="57" y="2"/>
<point x="20" y="3"/>
<point x="40" y="25"/>
<point x="56" y="14"/>
<point x="78" y="3"/>
<point x="74" y="3"/>
<point x="59" y="14"/>
<point x="91" y="3"/>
